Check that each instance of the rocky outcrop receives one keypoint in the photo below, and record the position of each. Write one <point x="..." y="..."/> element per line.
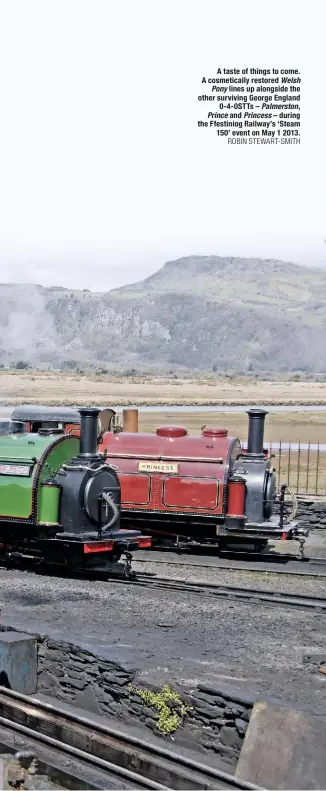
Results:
<point x="205" y="313"/>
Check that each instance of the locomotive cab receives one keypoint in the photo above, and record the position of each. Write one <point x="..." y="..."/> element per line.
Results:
<point x="12" y="427"/>
<point x="34" y="417"/>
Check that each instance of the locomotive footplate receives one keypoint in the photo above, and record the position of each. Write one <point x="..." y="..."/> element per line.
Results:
<point x="286" y="532"/>
<point x="86" y="549"/>
<point x="122" y="540"/>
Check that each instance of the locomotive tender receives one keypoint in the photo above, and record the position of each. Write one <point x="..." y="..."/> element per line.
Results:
<point x="204" y="489"/>
<point x="60" y="501"/>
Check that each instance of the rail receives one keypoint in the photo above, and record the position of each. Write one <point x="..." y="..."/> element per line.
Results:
<point x="245" y="595"/>
<point x="301" y="465"/>
<point x="138" y="764"/>
<point x="268" y="562"/>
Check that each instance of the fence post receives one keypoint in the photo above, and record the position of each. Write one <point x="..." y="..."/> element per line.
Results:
<point x="289" y="462"/>
<point x="279" y="463"/>
<point x="307" y="476"/>
<point x="317" y="468"/>
<point x="298" y="467"/>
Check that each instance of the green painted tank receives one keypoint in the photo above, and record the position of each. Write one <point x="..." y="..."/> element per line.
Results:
<point x="28" y="462"/>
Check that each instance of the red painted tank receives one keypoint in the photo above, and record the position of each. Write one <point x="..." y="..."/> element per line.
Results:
<point x="198" y="488"/>
<point x="172" y="472"/>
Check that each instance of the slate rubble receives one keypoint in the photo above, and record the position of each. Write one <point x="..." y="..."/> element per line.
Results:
<point x="215" y="722"/>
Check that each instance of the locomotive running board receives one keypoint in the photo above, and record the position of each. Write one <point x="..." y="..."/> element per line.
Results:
<point x="285" y="533"/>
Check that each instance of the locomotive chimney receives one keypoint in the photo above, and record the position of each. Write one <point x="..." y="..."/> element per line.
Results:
<point x="256" y="432"/>
<point x="88" y="431"/>
<point x="130" y="421"/>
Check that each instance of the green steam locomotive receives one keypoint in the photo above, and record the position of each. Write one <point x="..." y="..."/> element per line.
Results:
<point x="60" y="501"/>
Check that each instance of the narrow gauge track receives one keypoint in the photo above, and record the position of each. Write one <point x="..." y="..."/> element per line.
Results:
<point x="134" y="763"/>
<point x="152" y="581"/>
<point x="311" y="567"/>
<point x="245" y="595"/>
<point x="271" y="556"/>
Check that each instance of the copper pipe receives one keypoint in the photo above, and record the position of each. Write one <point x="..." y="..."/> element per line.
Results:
<point x="130" y="421"/>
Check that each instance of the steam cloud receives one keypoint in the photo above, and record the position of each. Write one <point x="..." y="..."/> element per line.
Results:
<point x="27" y="327"/>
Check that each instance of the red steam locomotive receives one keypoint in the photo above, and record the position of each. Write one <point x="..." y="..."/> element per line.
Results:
<point x="185" y="488"/>
<point x="204" y="489"/>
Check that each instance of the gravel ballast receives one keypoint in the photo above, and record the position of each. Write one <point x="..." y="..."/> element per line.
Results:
<point x="171" y="636"/>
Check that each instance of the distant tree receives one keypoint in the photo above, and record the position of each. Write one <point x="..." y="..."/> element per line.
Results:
<point x="21" y="365"/>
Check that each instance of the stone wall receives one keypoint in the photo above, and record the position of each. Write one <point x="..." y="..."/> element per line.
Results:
<point x="216" y="718"/>
<point x="312" y="513"/>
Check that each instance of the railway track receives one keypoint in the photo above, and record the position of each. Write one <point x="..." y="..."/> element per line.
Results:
<point x="209" y="589"/>
<point x="117" y="759"/>
<point x="288" y="565"/>
<point x="245" y="595"/>
<point x="269" y="562"/>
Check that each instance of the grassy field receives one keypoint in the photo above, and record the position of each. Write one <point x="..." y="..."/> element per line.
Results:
<point x="305" y="471"/>
<point x="70" y="389"/>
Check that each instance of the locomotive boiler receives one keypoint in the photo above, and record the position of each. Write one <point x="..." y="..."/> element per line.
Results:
<point x="60" y="501"/>
<point x="205" y="489"/>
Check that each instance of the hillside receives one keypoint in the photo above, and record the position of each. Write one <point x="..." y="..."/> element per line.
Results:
<point x="252" y="281"/>
<point x="197" y="312"/>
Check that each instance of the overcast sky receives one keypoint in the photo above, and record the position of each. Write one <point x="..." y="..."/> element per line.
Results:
<point x="104" y="174"/>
